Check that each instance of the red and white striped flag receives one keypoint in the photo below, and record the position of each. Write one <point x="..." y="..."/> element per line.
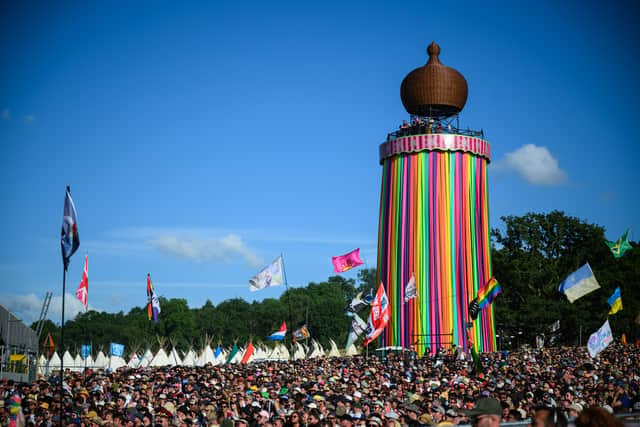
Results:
<point x="83" y="287"/>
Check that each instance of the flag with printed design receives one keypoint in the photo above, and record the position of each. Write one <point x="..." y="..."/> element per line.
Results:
<point x="83" y="288"/>
<point x="70" y="240"/>
<point x="410" y="291"/>
<point x="300" y="334"/>
<point x="116" y="349"/>
<point x="347" y="261"/>
<point x="600" y="339"/>
<point x="153" y="303"/>
<point x="620" y="246"/>
<point x="358" y="326"/>
<point x="86" y="350"/>
<point x="379" y="316"/>
<point x="271" y="275"/>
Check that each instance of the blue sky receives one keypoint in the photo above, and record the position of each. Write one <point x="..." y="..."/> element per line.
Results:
<point x="203" y="139"/>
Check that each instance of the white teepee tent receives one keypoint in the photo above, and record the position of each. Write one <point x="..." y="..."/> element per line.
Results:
<point x="352" y="351"/>
<point x="299" y="352"/>
<point x="207" y="355"/>
<point x="116" y="362"/>
<point x="101" y="361"/>
<point x="189" y="358"/>
<point x="160" y="359"/>
<point x="146" y="358"/>
<point x="54" y="362"/>
<point x="174" y="357"/>
<point x="78" y="363"/>
<point x="68" y="361"/>
<point x="334" y="352"/>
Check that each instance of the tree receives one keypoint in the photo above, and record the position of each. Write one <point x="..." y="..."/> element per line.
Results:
<point x="533" y="254"/>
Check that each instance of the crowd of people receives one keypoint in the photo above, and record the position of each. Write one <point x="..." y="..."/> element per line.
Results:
<point x="394" y="391"/>
<point x="425" y="125"/>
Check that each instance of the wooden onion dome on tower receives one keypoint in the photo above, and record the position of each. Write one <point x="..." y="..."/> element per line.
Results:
<point x="434" y="90"/>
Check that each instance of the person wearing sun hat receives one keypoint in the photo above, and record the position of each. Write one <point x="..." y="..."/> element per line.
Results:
<point x="485" y="413"/>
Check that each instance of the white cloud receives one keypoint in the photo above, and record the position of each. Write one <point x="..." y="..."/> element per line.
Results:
<point x="6" y="114"/>
<point x="534" y="164"/>
<point x="29" y="118"/>
<point x="28" y="307"/>
<point x="224" y="249"/>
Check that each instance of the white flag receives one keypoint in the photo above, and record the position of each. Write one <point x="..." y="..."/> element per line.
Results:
<point x="410" y="290"/>
<point x="600" y="339"/>
<point x="271" y="275"/>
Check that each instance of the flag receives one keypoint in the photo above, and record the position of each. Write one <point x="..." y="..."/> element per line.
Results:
<point x="410" y="290"/>
<point x="473" y="309"/>
<point x="358" y="326"/>
<point x="623" y="339"/>
<point x="615" y="301"/>
<point x="346" y="262"/>
<point x="300" y="334"/>
<point x="247" y="353"/>
<point x="233" y="353"/>
<point x="619" y="247"/>
<point x="487" y="293"/>
<point x="279" y="334"/>
<point x="86" y="350"/>
<point x="217" y="352"/>
<point x="116" y="349"/>
<point x="83" y="288"/>
<point x="153" y="304"/>
<point x="600" y="339"/>
<point x="379" y="317"/>
<point x="579" y="283"/>
<point x="357" y="304"/>
<point x="70" y="240"/>
<point x="271" y="275"/>
<point x="48" y="346"/>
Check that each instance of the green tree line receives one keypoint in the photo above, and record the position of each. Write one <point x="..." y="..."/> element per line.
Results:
<point x="531" y="255"/>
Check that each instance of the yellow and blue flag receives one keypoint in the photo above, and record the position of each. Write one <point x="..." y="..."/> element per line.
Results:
<point x="615" y="301"/>
<point x="579" y="283"/>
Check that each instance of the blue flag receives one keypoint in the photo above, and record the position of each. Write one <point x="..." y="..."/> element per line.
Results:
<point x="86" y="350"/>
<point x="579" y="283"/>
<point x="117" y="349"/>
<point x="70" y="240"/>
<point x="218" y="351"/>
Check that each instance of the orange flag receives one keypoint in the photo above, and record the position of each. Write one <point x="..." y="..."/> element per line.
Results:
<point x="247" y="353"/>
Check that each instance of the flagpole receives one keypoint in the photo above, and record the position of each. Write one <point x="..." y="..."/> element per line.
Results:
<point x="64" y="279"/>
<point x="284" y="273"/>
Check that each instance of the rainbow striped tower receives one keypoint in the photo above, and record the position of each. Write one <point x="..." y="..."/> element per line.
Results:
<point x="434" y="217"/>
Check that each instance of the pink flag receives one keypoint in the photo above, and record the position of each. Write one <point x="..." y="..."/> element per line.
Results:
<point x="83" y="287"/>
<point x="346" y="262"/>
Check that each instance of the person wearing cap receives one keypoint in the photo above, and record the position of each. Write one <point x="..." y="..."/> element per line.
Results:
<point x="485" y="413"/>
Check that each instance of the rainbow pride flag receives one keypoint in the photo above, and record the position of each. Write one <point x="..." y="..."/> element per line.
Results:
<point x="491" y="290"/>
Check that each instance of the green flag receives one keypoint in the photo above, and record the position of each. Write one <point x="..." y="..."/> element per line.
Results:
<point x="619" y="247"/>
<point x="234" y="351"/>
